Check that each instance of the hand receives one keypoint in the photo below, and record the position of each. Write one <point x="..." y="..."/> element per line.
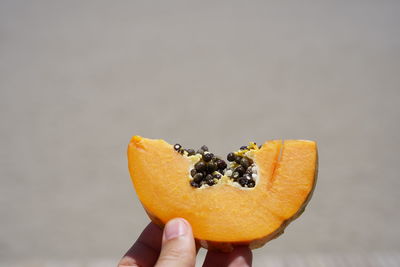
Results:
<point x="175" y="246"/>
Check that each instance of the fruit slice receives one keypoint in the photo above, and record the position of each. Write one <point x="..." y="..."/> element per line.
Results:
<point x="225" y="212"/>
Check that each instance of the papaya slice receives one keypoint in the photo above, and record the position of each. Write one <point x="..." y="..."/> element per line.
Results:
<point x="224" y="210"/>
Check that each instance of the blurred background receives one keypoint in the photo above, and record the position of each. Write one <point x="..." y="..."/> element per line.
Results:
<point x="79" y="78"/>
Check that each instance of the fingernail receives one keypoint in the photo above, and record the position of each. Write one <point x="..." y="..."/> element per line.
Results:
<point x="175" y="228"/>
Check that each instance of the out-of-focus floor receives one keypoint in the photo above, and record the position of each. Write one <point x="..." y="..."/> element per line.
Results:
<point x="307" y="260"/>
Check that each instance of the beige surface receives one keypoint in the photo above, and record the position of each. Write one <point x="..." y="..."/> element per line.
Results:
<point x="290" y="260"/>
<point x="78" y="78"/>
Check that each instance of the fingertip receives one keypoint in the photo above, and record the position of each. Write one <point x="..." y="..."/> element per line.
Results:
<point x="175" y="228"/>
<point x="178" y="246"/>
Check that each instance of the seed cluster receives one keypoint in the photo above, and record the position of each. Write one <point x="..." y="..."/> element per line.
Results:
<point x="242" y="169"/>
<point x="206" y="171"/>
<point x="210" y="168"/>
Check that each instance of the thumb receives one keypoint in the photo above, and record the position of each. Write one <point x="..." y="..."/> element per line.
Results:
<point x="178" y="247"/>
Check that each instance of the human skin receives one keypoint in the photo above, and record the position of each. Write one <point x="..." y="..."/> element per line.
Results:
<point x="175" y="246"/>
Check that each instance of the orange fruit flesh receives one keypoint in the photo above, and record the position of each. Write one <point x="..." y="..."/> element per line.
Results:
<point x="223" y="215"/>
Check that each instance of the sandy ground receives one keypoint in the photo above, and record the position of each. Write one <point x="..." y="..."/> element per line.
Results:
<point x="79" y="78"/>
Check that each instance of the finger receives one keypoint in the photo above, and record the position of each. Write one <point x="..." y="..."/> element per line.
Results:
<point x="239" y="257"/>
<point x="146" y="249"/>
<point x="178" y="247"/>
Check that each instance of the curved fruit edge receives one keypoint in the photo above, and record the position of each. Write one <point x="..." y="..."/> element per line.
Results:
<point x="260" y="242"/>
<point x="257" y="243"/>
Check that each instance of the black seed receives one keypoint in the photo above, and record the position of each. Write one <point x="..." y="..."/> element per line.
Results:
<point x="200" y="151"/>
<point x="247" y="176"/>
<point x="245" y="163"/>
<point x="240" y="170"/>
<point x="210" y="182"/>
<point x="260" y="146"/>
<point x="198" y="177"/>
<point x="235" y="175"/>
<point x="207" y="157"/>
<point x="231" y="157"/>
<point x="243" y="147"/>
<point x="211" y="167"/>
<point x="243" y="181"/>
<point x="194" y="184"/>
<point x="181" y="151"/>
<point x="204" y="148"/>
<point x="190" y="151"/>
<point x="217" y="176"/>
<point x="221" y="164"/>
<point x="237" y="159"/>
<point x="249" y="170"/>
<point x="251" y="183"/>
<point x="209" y="177"/>
<point x="177" y="147"/>
<point x="193" y="172"/>
<point x="200" y="166"/>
